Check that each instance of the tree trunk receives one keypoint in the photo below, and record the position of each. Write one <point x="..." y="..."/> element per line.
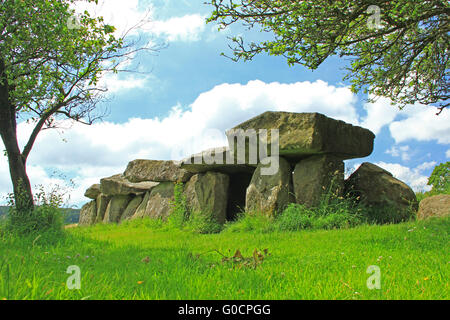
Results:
<point x="23" y="195"/>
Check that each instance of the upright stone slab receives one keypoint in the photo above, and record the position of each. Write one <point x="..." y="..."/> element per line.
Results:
<point x="131" y="208"/>
<point x="208" y="193"/>
<point x="304" y="134"/>
<point x="102" y="204"/>
<point x="378" y="189"/>
<point x="140" y="211"/>
<point x="118" y="185"/>
<point x="88" y="213"/>
<point x="116" y="207"/>
<point x="270" y="193"/>
<point x="155" y="170"/>
<point x="317" y="176"/>
<point x="159" y="202"/>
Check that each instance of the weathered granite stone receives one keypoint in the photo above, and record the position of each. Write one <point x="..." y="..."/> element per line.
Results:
<point x="116" y="207"/>
<point x="316" y="177"/>
<point x="102" y="204"/>
<point x="155" y="170"/>
<point x="131" y="208"/>
<point x="207" y="193"/>
<point x="118" y="185"/>
<point x="302" y="135"/>
<point x="88" y="213"/>
<point x="159" y="202"/>
<point x="269" y="194"/>
<point x="376" y="188"/>
<point x="434" y="206"/>
<point x="93" y="191"/>
<point x="140" y="211"/>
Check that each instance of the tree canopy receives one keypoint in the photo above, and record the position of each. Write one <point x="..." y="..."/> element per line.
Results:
<point x="50" y="67"/>
<point x="397" y="49"/>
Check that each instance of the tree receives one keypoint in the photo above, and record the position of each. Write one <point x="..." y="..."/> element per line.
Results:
<point x="50" y="67"/>
<point x="440" y="178"/>
<point x="397" y="48"/>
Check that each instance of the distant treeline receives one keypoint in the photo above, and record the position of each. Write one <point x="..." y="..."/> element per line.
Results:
<point x="71" y="215"/>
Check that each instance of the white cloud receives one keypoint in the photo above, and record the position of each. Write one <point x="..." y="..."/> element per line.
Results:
<point x="379" y="114"/>
<point x="186" y="28"/>
<point x="400" y="151"/>
<point x="422" y="124"/>
<point x="447" y="154"/>
<point x="415" y="177"/>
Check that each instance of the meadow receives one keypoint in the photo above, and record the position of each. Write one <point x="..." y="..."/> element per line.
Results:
<point x="147" y="259"/>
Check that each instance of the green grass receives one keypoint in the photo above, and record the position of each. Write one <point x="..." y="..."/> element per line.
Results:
<point x="322" y="264"/>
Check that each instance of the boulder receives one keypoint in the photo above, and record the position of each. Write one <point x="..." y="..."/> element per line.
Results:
<point x="155" y="170"/>
<point x="118" y="185"/>
<point x="159" y="202"/>
<point x="376" y="188"/>
<point x="88" y="213"/>
<point x="140" y="211"/>
<point x="215" y="159"/>
<point x="271" y="193"/>
<point x="434" y="206"/>
<point x="316" y="177"/>
<point x="131" y="208"/>
<point x="116" y="207"/>
<point x="207" y="194"/>
<point x="302" y="135"/>
<point x="92" y="192"/>
<point x="102" y="204"/>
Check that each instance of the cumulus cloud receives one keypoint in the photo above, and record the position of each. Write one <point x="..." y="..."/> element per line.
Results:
<point x="447" y="154"/>
<point x="404" y="152"/>
<point x="186" y="28"/>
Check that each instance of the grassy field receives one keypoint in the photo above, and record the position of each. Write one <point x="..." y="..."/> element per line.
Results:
<point x="141" y="260"/>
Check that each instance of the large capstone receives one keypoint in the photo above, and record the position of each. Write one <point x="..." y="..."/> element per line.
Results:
<point x="207" y="194"/>
<point x="155" y="170"/>
<point x="88" y="213"/>
<point x="270" y="192"/>
<point x="299" y="135"/>
<point x="317" y="178"/>
<point x="119" y="185"/>
<point x="116" y="207"/>
<point x="93" y="191"/>
<point x="387" y="198"/>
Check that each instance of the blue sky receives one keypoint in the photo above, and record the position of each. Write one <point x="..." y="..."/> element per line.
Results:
<point x="190" y="95"/>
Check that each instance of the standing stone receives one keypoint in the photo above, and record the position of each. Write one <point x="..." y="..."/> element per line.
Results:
<point x="155" y="170"/>
<point x="159" y="202"/>
<point x="116" y="208"/>
<point x="270" y="194"/>
<point x="102" y="204"/>
<point x="207" y="194"/>
<point x="93" y="191"/>
<point x="131" y="208"/>
<point x="316" y="177"/>
<point x="377" y="188"/>
<point x="434" y="206"/>
<point x="88" y="213"/>
<point x="140" y="211"/>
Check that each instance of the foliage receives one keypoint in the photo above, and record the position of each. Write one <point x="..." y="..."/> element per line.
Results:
<point x="46" y="217"/>
<point x="179" y="213"/>
<point x="50" y="70"/>
<point x="141" y="262"/>
<point x="200" y="222"/>
<point x="440" y="178"/>
<point x="397" y="49"/>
